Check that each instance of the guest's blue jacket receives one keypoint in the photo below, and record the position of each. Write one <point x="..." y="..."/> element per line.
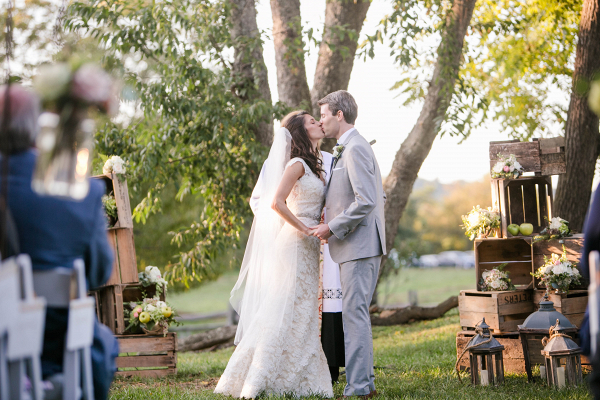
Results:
<point x="54" y="232"/>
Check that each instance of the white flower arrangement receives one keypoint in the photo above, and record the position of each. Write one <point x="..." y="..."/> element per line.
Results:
<point x="338" y="150"/>
<point x="556" y="229"/>
<point x="152" y="315"/>
<point x="507" y="167"/>
<point x="152" y="276"/>
<point x="496" y="280"/>
<point x="558" y="273"/>
<point x="480" y="222"/>
<point x="114" y="164"/>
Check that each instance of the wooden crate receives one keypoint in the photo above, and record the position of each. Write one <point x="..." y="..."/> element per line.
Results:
<point x="147" y="356"/>
<point x="120" y="236"/>
<point x="573" y="245"/>
<point x="111" y="300"/>
<point x="514" y="360"/>
<point x="544" y="157"/>
<point x="502" y="310"/>
<point x="516" y="252"/>
<point x="572" y="305"/>
<point x="527" y="199"/>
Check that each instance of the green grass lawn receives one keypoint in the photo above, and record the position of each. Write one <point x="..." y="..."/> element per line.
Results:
<point x="433" y="285"/>
<point x="413" y="361"/>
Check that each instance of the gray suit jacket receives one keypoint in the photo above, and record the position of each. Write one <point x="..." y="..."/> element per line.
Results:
<point x="354" y="203"/>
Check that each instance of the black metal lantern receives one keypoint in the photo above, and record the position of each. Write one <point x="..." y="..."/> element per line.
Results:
<point x="485" y="357"/>
<point x="535" y="328"/>
<point x="563" y="358"/>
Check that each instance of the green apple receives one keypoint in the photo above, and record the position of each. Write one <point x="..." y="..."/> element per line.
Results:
<point x="526" y="229"/>
<point x="166" y="312"/>
<point x="513" y="229"/>
<point x="144" y="317"/>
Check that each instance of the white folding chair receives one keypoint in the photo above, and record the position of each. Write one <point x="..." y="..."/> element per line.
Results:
<point x="66" y="288"/>
<point x="25" y="332"/>
<point x="9" y="303"/>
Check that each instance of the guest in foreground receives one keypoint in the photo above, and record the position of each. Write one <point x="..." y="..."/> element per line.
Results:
<point x="54" y="232"/>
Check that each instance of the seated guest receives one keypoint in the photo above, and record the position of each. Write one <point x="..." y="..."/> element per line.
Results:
<point x="54" y="232"/>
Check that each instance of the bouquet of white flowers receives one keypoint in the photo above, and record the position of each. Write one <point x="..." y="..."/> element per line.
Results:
<point x="151" y="276"/>
<point x="496" y="279"/>
<point x="558" y="273"/>
<point x="152" y="315"/>
<point x="114" y="164"/>
<point x="507" y="167"/>
<point x="480" y="222"/>
<point x="557" y="228"/>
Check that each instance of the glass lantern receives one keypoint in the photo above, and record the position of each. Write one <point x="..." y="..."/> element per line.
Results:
<point x="485" y="357"/>
<point x="562" y="359"/>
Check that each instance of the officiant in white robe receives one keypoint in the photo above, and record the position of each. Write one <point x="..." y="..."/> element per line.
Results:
<point x="332" y="329"/>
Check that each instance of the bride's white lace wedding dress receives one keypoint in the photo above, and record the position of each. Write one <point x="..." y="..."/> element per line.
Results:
<point x="287" y="358"/>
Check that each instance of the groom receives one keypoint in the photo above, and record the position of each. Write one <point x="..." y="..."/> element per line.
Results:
<point x="355" y="230"/>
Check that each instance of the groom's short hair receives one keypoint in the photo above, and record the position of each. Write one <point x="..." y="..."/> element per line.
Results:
<point x="342" y="101"/>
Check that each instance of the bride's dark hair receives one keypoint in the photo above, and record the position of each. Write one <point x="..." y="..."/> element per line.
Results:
<point x="301" y="146"/>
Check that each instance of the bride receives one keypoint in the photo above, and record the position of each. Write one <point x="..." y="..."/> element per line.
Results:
<point x="278" y="347"/>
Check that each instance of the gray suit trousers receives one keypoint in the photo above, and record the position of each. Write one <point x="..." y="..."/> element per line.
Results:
<point x="359" y="278"/>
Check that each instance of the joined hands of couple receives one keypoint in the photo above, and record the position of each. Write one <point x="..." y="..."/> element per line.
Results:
<point x="321" y="231"/>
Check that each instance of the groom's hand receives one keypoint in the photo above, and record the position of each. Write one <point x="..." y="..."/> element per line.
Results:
<point x="322" y="232"/>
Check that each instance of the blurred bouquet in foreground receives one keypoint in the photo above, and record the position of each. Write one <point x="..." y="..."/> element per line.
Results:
<point x="496" y="279"/>
<point x="507" y="167"/>
<point x="558" y="273"/>
<point x="480" y="222"/>
<point x="151" y="315"/>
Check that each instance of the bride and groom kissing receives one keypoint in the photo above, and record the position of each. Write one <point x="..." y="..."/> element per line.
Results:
<point x="279" y="350"/>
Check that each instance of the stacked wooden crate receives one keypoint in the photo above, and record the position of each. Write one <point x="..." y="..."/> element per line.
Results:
<point x="141" y="354"/>
<point x="527" y="199"/>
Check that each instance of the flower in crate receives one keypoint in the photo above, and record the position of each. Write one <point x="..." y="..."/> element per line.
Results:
<point x="480" y="222"/>
<point x="507" y="167"/>
<point x="152" y="276"/>
<point x="110" y="208"/>
<point x="114" y="164"/>
<point x="151" y="315"/>
<point x="557" y="228"/>
<point x="496" y="280"/>
<point x="558" y="273"/>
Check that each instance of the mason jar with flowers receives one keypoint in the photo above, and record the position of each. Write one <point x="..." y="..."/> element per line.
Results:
<point x="558" y="273"/>
<point x="507" y="167"/>
<point x="481" y="223"/>
<point x="496" y="280"/>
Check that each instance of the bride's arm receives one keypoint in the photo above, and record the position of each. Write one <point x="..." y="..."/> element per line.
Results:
<point x="290" y="176"/>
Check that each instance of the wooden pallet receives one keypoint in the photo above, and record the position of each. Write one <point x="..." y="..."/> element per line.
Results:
<point x="572" y="305"/>
<point x="516" y="252"/>
<point x="147" y="356"/>
<point x="544" y="157"/>
<point x="503" y="310"/>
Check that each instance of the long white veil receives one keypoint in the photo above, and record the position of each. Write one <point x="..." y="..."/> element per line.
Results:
<point x="266" y="281"/>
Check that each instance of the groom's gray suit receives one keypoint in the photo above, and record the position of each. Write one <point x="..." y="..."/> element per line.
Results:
<point x="355" y="200"/>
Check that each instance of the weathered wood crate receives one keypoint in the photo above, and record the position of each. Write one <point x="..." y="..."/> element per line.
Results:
<point x="574" y="247"/>
<point x="544" y="157"/>
<point x="120" y="236"/>
<point x="502" y="310"/>
<point x="516" y="252"/>
<point x="527" y="199"/>
<point x="572" y="305"/>
<point x="111" y="300"/>
<point x="147" y="356"/>
<point x="514" y="360"/>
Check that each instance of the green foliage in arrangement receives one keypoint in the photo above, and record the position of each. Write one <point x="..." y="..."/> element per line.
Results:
<point x="188" y="123"/>
<point x="517" y="57"/>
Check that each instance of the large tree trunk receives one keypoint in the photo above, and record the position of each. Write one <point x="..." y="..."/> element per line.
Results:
<point x="417" y="145"/>
<point x="292" y="85"/>
<point x="337" y="52"/>
<point x="251" y="83"/>
<point x="581" y="131"/>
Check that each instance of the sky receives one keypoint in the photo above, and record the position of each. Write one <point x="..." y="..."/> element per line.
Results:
<point x="381" y="115"/>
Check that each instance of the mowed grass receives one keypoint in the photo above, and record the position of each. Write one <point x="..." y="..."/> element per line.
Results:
<point x="433" y="285"/>
<point x="413" y="361"/>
